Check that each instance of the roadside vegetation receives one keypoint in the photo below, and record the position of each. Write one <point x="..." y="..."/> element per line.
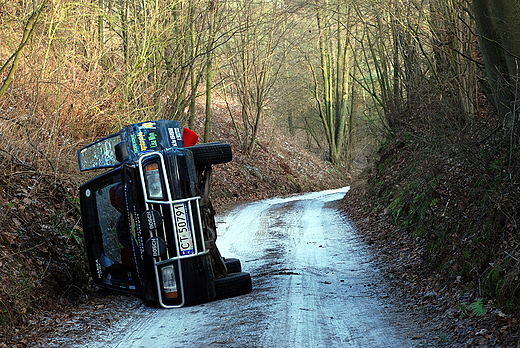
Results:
<point x="448" y="171"/>
<point x="416" y="100"/>
<point x="446" y="174"/>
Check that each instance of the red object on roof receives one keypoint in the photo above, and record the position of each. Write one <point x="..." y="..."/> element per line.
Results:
<point x="189" y="137"/>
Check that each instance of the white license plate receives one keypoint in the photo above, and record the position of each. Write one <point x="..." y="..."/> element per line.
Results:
<point x="182" y="224"/>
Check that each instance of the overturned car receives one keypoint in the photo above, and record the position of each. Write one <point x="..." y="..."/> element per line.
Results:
<point x="148" y="222"/>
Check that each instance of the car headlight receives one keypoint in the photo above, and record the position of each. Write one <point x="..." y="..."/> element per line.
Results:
<point x="153" y="181"/>
<point x="169" y="282"/>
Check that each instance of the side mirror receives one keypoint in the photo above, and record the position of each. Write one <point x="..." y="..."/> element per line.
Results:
<point x="121" y="152"/>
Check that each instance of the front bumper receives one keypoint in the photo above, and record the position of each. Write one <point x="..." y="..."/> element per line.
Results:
<point x="176" y="232"/>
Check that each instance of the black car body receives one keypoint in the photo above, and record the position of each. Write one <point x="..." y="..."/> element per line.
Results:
<point x="148" y="223"/>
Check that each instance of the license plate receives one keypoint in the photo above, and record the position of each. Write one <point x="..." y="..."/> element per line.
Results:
<point x="182" y="224"/>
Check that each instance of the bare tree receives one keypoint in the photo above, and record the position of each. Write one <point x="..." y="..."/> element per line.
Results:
<point x="254" y="61"/>
<point x="332" y="92"/>
<point x="499" y="36"/>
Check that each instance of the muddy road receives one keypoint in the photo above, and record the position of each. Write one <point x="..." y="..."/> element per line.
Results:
<point x="314" y="285"/>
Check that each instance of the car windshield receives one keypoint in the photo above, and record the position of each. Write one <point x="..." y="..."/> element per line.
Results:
<point x="116" y="256"/>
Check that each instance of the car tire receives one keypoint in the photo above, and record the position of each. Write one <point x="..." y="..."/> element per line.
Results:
<point x="211" y="153"/>
<point x="235" y="284"/>
<point x="233" y="265"/>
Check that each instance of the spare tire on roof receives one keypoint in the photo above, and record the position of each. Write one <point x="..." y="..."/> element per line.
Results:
<point x="211" y="153"/>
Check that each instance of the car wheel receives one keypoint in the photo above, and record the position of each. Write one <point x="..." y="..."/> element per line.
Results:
<point x="234" y="284"/>
<point x="233" y="265"/>
<point x="211" y="153"/>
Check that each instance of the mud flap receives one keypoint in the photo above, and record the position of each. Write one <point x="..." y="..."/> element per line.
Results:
<point x="199" y="284"/>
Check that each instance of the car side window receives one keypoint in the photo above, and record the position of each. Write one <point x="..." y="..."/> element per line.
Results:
<point x="108" y="217"/>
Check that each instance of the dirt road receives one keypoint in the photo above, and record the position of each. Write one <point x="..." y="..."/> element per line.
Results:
<point x="313" y="286"/>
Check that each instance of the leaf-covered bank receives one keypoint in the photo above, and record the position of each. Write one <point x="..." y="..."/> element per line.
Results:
<point x="459" y="192"/>
<point x="441" y="207"/>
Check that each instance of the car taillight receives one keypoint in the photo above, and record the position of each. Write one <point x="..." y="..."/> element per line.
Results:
<point x="153" y="181"/>
<point x="169" y="283"/>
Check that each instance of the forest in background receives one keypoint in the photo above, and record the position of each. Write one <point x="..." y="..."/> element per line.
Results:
<point x="425" y="92"/>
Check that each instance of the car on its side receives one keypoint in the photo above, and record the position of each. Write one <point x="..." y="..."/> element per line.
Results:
<point x="148" y="222"/>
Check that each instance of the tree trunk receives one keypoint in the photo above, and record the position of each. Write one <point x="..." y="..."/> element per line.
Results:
<point x="193" y="77"/>
<point x="15" y="58"/>
<point x="209" y="69"/>
<point x="333" y="108"/>
<point x="498" y="23"/>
